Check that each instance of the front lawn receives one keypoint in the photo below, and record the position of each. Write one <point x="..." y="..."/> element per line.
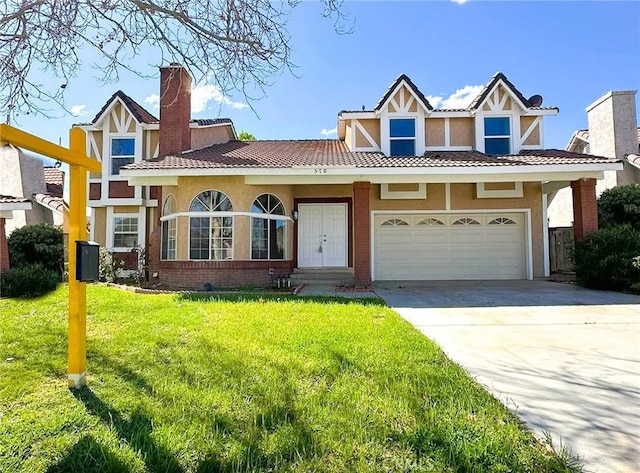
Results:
<point x="181" y="385"/>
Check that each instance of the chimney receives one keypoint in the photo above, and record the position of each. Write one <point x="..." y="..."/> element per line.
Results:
<point x="175" y="109"/>
<point x="612" y="124"/>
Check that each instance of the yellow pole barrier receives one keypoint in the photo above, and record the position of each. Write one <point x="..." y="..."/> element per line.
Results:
<point x="77" y="362"/>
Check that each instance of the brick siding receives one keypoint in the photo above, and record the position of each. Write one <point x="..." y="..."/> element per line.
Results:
<point x="4" y="248"/>
<point x="95" y="190"/>
<point x="194" y="274"/>
<point x="175" y="110"/>
<point x="585" y="208"/>
<point x="120" y="190"/>
<point x="361" y="230"/>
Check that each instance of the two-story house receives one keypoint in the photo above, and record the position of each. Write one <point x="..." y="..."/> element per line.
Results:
<point x="406" y="191"/>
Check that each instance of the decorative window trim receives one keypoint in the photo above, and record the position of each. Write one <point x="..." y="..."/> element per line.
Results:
<point x="430" y="222"/>
<point x="465" y="221"/>
<point x="483" y="193"/>
<point x="502" y="221"/>
<point x="386" y="194"/>
<point x="395" y="222"/>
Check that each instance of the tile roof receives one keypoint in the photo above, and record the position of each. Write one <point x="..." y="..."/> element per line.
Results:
<point x="412" y="86"/>
<point x="54" y="179"/>
<point x="138" y="111"/>
<point x="211" y="121"/>
<point x="334" y="153"/>
<point x="633" y="159"/>
<point x="53" y="202"/>
<point x="584" y="134"/>
<point x="9" y="199"/>
<point x="498" y="76"/>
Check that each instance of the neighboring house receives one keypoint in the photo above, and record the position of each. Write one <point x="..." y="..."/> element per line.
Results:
<point x="613" y="132"/>
<point x="405" y="192"/>
<point x="30" y="193"/>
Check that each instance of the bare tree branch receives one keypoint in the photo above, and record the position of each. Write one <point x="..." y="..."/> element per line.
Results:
<point x="235" y="44"/>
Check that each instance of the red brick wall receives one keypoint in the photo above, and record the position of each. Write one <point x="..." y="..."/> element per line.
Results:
<point x="175" y="110"/>
<point x="194" y="274"/>
<point x="585" y="208"/>
<point x="4" y="248"/>
<point x="94" y="191"/>
<point x="120" y="190"/>
<point x="361" y="231"/>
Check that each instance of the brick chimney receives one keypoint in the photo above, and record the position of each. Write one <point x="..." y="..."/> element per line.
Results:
<point x="175" y="109"/>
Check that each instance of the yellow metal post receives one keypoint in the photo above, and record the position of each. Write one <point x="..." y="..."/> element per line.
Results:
<point x="77" y="361"/>
<point x="79" y="164"/>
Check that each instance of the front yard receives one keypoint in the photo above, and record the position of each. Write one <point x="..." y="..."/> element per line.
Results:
<point x="184" y="385"/>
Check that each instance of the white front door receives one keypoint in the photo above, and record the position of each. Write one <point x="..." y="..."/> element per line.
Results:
<point x="322" y="235"/>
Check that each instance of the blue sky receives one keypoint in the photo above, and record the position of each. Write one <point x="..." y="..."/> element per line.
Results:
<point x="569" y="52"/>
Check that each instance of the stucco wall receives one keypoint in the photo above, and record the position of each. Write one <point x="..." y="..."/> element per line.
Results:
<point x="207" y="136"/>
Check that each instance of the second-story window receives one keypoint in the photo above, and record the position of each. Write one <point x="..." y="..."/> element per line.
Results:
<point x="402" y="135"/>
<point x="497" y="135"/>
<point x="122" y="153"/>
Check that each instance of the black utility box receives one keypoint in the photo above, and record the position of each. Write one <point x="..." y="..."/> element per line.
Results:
<point x="87" y="260"/>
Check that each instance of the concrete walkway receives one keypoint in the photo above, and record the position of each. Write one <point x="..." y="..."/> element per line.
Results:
<point x="565" y="359"/>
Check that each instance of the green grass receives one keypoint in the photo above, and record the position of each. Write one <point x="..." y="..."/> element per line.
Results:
<point x="185" y="384"/>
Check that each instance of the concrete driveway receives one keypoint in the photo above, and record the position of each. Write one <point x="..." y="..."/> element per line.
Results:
<point x="565" y="359"/>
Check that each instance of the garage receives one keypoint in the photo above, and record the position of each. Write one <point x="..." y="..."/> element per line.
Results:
<point x="412" y="246"/>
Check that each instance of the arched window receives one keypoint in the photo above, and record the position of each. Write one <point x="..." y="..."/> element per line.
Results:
<point x="268" y="231"/>
<point x="169" y="230"/>
<point x="211" y="235"/>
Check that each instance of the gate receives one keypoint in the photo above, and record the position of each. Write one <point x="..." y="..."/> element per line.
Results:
<point x="561" y="249"/>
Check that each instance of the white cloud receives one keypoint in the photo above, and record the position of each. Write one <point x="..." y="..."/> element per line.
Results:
<point x="153" y="100"/>
<point x="460" y="2"/>
<point x="78" y="110"/>
<point x="461" y="98"/>
<point x="201" y="95"/>
<point x="326" y="132"/>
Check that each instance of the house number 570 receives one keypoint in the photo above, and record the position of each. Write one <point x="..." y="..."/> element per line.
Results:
<point x="320" y="171"/>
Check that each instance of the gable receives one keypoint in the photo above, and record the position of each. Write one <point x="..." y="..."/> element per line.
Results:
<point x="133" y="108"/>
<point x="403" y="96"/>
<point x="499" y="94"/>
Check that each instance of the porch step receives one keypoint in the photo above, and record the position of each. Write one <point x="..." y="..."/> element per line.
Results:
<point x="337" y="277"/>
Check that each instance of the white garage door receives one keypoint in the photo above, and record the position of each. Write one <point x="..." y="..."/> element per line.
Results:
<point x="449" y="246"/>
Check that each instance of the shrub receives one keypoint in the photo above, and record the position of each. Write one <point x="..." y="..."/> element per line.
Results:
<point x="620" y="205"/>
<point x="28" y="281"/>
<point x="606" y="259"/>
<point x="37" y="244"/>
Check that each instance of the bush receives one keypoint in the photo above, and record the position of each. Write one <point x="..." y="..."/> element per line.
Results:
<point x="28" y="281"/>
<point x="606" y="259"/>
<point x="37" y="244"/>
<point x="620" y="205"/>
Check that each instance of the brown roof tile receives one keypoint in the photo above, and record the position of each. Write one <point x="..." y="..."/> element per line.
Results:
<point x="9" y="199"/>
<point x="334" y="153"/>
<point x="53" y="202"/>
<point x="54" y="179"/>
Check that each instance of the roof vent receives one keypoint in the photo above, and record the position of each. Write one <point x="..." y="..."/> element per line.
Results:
<point x="535" y="100"/>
